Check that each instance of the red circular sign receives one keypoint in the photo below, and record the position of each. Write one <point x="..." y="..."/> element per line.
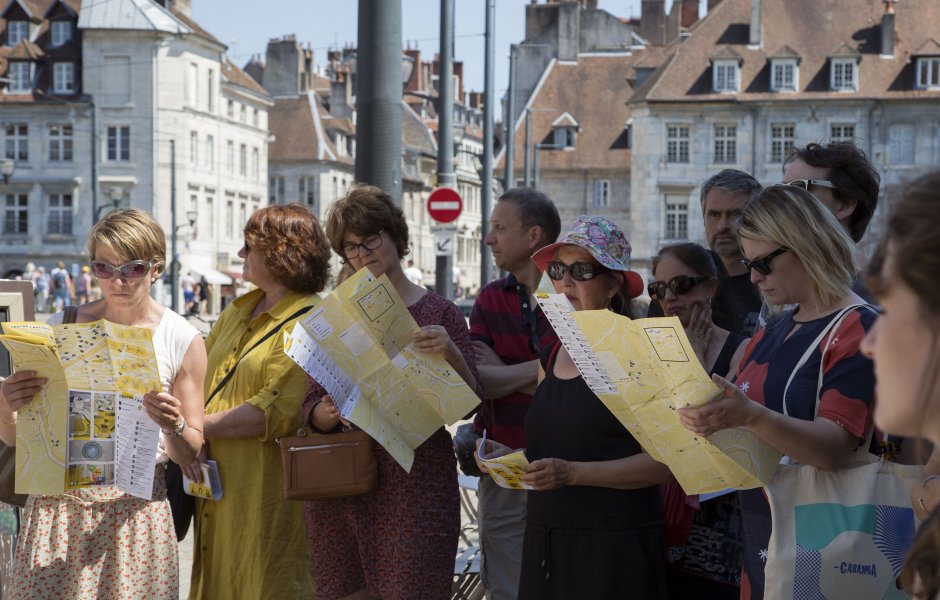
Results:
<point x="444" y="205"/>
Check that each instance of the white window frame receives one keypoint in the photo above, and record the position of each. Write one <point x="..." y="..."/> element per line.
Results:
<point x="230" y="156"/>
<point x="15" y="213"/>
<point x="902" y="142"/>
<point x="193" y="148"/>
<point x="678" y="136"/>
<point x="601" y="193"/>
<point x="928" y="72"/>
<point x="726" y="76"/>
<point x="243" y="160"/>
<point x="192" y="85"/>
<point x="675" y="217"/>
<point x="841" y="132"/>
<point x="843" y="74"/>
<point x="17" y="31"/>
<point x="782" y="139"/>
<point x="780" y="68"/>
<point x="20" y="75"/>
<point x="61" y="142"/>
<point x="61" y="32"/>
<point x="210" y="153"/>
<point x="230" y="109"/>
<point x="63" y="78"/>
<point x="210" y="90"/>
<point x="230" y="216"/>
<point x="307" y="192"/>
<point x="726" y="143"/>
<point x="566" y="137"/>
<point x="118" y="143"/>
<point x="59" y="213"/>
<point x="16" y="141"/>
<point x="255" y="163"/>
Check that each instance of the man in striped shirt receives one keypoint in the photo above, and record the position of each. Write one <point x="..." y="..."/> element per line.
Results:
<point x="508" y="331"/>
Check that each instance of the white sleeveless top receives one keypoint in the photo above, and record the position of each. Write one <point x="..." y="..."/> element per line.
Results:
<point x="171" y="340"/>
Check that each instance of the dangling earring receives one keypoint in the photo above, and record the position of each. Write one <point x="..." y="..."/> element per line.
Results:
<point x="153" y="280"/>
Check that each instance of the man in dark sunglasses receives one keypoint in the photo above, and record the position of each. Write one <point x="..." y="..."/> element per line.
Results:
<point x="508" y="331"/>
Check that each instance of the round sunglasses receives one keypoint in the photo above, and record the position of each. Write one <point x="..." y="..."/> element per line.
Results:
<point x="680" y="284"/>
<point x="133" y="269"/>
<point x="580" y="271"/>
<point x="762" y="264"/>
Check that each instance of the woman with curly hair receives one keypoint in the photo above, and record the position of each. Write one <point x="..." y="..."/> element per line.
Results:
<point x="251" y="543"/>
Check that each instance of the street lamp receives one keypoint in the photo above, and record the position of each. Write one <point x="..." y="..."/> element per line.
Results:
<point x="115" y="194"/>
<point x="7" y="166"/>
<point x="539" y="147"/>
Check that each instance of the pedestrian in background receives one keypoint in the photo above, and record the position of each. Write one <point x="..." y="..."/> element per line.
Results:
<point x="904" y="275"/>
<point x="98" y="542"/>
<point x="251" y="543"/>
<point x="398" y="541"/>
<point x="62" y="287"/>
<point x="509" y="331"/>
<point x="83" y="288"/>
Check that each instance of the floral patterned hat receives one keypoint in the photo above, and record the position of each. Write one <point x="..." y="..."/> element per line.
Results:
<point x="606" y="243"/>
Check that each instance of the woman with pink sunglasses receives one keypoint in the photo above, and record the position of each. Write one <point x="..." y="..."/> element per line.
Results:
<point x="97" y="541"/>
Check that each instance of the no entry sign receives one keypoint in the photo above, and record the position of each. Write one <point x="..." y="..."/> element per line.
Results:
<point x="444" y="205"/>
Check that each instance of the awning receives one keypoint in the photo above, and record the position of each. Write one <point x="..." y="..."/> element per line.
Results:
<point x="212" y="276"/>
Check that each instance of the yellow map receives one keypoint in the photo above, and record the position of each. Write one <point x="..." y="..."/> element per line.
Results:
<point x="73" y="433"/>
<point x="645" y="370"/>
<point x="356" y="344"/>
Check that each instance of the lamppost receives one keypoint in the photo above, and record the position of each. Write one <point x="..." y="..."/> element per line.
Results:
<point x="7" y="167"/>
<point x="115" y="194"/>
<point x="539" y="147"/>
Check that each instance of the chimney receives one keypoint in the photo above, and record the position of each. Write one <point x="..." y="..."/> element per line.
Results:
<point x="652" y="21"/>
<point x="689" y="13"/>
<point x="756" y="31"/>
<point x="887" y="29"/>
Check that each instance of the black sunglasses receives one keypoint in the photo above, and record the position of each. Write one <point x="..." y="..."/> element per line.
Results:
<point x="133" y="269"/>
<point x="806" y="183"/>
<point x="580" y="271"/>
<point x="762" y="264"/>
<point x="681" y="284"/>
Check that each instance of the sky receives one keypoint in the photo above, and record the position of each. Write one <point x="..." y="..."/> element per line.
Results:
<point x="246" y="26"/>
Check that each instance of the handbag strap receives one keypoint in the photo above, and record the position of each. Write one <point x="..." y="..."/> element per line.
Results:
<point x="231" y="371"/>
<point x="71" y="315"/>
<point x="829" y="330"/>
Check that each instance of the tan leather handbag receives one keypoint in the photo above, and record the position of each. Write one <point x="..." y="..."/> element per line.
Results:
<point x="333" y="465"/>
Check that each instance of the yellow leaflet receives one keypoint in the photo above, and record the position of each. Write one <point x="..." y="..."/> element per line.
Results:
<point x="356" y="344"/>
<point x="507" y="470"/>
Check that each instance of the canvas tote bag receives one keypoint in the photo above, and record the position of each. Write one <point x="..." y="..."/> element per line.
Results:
<point x="841" y="533"/>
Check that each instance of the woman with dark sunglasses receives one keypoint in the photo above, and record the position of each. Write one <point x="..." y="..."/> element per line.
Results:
<point x="811" y="405"/>
<point x="594" y="523"/>
<point x="703" y="539"/>
<point x="98" y="542"/>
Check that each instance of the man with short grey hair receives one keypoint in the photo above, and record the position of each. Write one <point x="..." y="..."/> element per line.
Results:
<point x="723" y="197"/>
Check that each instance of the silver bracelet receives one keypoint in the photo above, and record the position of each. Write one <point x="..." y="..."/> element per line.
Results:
<point x="177" y="431"/>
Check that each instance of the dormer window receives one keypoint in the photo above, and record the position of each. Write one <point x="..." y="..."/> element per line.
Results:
<point x="20" y="75"/>
<point x="844" y="75"/>
<point x="784" y="75"/>
<point x="726" y="75"/>
<point x="726" y="70"/>
<point x="61" y="33"/>
<point x="17" y="31"/>
<point x="928" y="72"/>
<point x="565" y="130"/>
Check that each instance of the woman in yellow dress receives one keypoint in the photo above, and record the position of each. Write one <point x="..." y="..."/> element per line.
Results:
<point x="252" y="543"/>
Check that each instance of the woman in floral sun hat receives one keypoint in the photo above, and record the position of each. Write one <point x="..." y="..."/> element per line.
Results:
<point x="595" y="520"/>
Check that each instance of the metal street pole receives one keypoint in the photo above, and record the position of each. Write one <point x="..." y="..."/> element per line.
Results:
<point x="509" y="121"/>
<point x="174" y="267"/>
<point x="443" y="278"/>
<point x="528" y="156"/>
<point x="486" y="257"/>
<point x="378" y="96"/>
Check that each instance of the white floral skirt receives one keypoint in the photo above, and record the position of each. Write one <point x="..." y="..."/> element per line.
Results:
<point x="97" y="543"/>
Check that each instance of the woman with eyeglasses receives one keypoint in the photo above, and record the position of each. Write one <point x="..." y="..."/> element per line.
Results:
<point x="98" y="542"/>
<point x="398" y="541"/>
<point x="251" y="543"/>
<point x="811" y="406"/>
<point x="703" y="537"/>
<point x="594" y="522"/>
